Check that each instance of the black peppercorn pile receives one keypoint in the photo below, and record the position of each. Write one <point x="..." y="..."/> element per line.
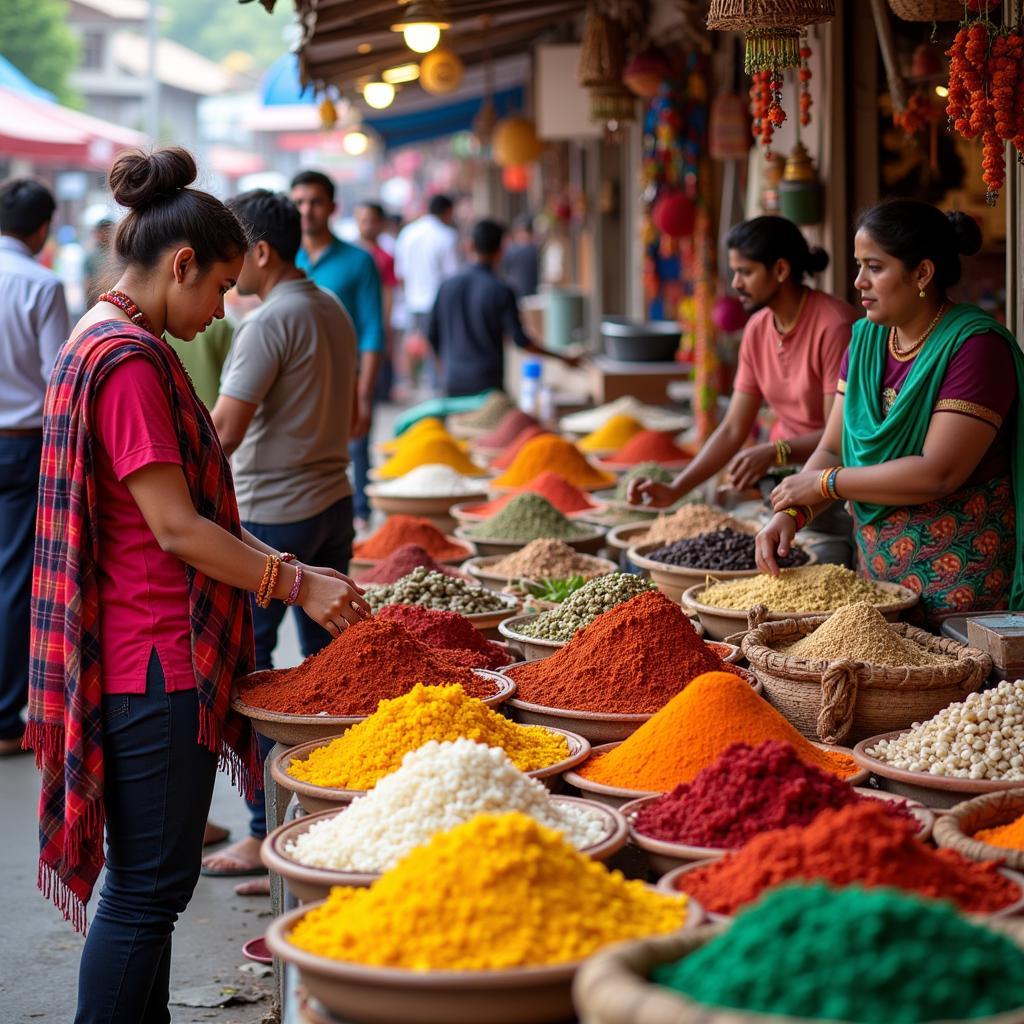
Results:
<point x="724" y="549"/>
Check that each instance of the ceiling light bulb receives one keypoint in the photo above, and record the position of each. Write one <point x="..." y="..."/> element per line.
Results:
<point x="401" y="74"/>
<point x="941" y="91"/>
<point x="355" y="143"/>
<point x="421" y="37"/>
<point x="379" y="95"/>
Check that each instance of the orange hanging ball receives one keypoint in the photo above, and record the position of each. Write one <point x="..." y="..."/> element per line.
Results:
<point x="515" y="142"/>
<point x="516" y="178"/>
<point x="440" y="72"/>
<point x="674" y="215"/>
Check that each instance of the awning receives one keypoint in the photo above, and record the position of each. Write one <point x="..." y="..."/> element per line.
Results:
<point x="51" y="134"/>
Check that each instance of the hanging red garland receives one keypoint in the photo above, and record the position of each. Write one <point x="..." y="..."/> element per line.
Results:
<point x="805" y="82"/>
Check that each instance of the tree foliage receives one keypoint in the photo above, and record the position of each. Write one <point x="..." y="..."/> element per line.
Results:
<point x="35" y="38"/>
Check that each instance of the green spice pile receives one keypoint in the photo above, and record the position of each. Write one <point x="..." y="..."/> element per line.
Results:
<point x="859" y="632"/>
<point x="527" y="517"/>
<point x="650" y="470"/>
<point x="547" y="559"/>
<point x="580" y="609"/>
<point x="435" y="590"/>
<point x="874" y="956"/>
<point x="811" y="588"/>
<point x="494" y="408"/>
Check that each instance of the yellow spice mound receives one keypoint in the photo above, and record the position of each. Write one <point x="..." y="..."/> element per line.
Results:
<point x="550" y="452"/>
<point x="498" y="892"/>
<point x="613" y="435"/>
<point x="430" y="450"/>
<point x="859" y="632"/>
<point x="811" y="588"/>
<point x="429" y="427"/>
<point x="375" y="747"/>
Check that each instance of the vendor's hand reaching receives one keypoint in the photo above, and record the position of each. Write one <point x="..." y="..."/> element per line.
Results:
<point x="775" y="539"/>
<point x="645" y="491"/>
<point x="332" y="599"/>
<point x="802" y="488"/>
<point x="749" y="465"/>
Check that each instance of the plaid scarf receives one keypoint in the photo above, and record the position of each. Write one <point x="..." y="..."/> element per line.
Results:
<point x="65" y="712"/>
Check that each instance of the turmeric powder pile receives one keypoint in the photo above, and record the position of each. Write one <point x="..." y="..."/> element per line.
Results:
<point x="498" y="892"/>
<point x="1009" y="836"/>
<point x="375" y="747"/>
<point x="429" y="450"/>
<point x="690" y="732"/>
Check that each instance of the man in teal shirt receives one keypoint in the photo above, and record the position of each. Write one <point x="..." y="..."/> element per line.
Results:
<point x="348" y="272"/>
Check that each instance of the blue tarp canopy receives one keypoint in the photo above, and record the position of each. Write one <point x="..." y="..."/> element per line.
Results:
<point x="281" y="86"/>
<point x="11" y="78"/>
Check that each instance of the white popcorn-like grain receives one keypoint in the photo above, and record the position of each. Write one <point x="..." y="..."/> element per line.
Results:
<point x="439" y="786"/>
<point x="981" y="737"/>
<point x="434" y="480"/>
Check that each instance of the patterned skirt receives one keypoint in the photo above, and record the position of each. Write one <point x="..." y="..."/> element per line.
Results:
<point x="957" y="553"/>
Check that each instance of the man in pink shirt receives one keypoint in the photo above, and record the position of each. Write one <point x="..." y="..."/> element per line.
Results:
<point x="789" y="360"/>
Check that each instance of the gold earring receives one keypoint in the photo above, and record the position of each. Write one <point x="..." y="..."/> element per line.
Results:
<point x="921" y="294"/>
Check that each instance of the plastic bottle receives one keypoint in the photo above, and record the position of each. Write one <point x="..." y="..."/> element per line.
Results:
<point x="529" y="387"/>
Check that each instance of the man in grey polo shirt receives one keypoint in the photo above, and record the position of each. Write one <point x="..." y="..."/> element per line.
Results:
<point x="33" y="327"/>
<point x="284" y="415"/>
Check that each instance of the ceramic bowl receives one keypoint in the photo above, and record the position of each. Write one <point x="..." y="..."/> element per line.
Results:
<point x="931" y="790"/>
<point x="589" y="542"/>
<point x="315" y="798"/>
<point x="386" y="995"/>
<point x="310" y="883"/>
<point x="437" y="510"/>
<point x="292" y="729"/>
<point x="722" y="622"/>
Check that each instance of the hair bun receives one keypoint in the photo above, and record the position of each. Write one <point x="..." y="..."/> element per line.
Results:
<point x="139" y="179"/>
<point x="817" y="260"/>
<point x="966" y="232"/>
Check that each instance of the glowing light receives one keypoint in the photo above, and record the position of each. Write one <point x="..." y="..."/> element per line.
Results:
<point x="355" y="143"/>
<point x="421" y="38"/>
<point x="421" y="26"/>
<point x="401" y="74"/>
<point x="379" y="95"/>
<point x="941" y="91"/>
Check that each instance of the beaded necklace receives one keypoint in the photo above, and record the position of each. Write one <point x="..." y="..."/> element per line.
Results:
<point x="130" y="309"/>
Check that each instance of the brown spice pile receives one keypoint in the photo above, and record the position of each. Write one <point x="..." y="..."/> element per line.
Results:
<point x="859" y="632"/>
<point x="690" y="521"/>
<point x="547" y="559"/>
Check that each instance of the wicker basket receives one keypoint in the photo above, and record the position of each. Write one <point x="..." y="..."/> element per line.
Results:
<point x="847" y="701"/>
<point x="956" y="829"/>
<point x="612" y="987"/>
<point x="928" y="10"/>
<point x="743" y="15"/>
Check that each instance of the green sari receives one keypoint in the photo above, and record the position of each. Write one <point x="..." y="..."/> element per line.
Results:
<point x="872" y="436"/>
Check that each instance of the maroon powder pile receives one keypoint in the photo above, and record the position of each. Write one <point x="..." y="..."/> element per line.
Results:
<point x="747" y="791"/>
<point x="514" y="423"/>
<point x="401" y="562"/>
<point x="449" y="631"/>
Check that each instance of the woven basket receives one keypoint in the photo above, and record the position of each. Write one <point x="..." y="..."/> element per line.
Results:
<point x="612" y="987"/>
<point x="928" y="10"/>
<point x="956" y="829"/>
<point x="744" y="15"/>
<point x="847" y="701"/>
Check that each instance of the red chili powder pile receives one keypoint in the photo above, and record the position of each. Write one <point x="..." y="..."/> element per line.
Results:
<point x="507" y="457"/>
<point x="401" y="562"/>
<point x="632" y="659"/>
<point x="554" y="488"/>
<point x="747" y="791"/>
<point x="371" y="661"/>
<point x="449" y="631"/>
<point x="858" y="845"/>
<point x="514" y="423"/>
<point x="650" y="446"/>
<point x="399" y="530"/>
<point x="689" y="733"/>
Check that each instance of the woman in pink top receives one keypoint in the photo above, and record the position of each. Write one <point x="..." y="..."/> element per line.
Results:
<point x="141" y="618"/>
<point x="789" y="360"/>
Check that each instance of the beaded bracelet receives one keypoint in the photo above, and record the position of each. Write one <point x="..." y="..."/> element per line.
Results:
<point x="797" y="515"/>
<point x="783" y="450"/>
<point x="293" y="594"/>
<point x="265" y="580"/>
<point x="287" y="556"/>
<point x="266" y="592"/>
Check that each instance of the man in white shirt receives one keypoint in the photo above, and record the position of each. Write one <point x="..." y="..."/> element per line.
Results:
<point x="426" y="254"/>
<point x="33" y="327"/>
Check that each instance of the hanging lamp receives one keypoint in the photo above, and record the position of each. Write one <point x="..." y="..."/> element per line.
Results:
<point x="421" y="25"/>
<point x="772" y="28"/>
<point x="601" y="66"/>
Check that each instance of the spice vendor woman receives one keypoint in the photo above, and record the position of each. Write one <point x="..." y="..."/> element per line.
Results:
<point x="141" y="619"/>
<point x="789" y="358"/>
<point x="925" y="437"/>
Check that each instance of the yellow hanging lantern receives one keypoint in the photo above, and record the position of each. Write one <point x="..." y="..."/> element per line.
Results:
<point x="515" y="142"/>
<point x="440" y="72"/>
<point x="328" y="115"/>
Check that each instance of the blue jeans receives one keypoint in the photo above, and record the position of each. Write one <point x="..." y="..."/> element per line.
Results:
<point x="325" y="539"/>
<point x="359" y="457"/>
<point x="158" y="787"/>
<point x="19" y="486"/>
